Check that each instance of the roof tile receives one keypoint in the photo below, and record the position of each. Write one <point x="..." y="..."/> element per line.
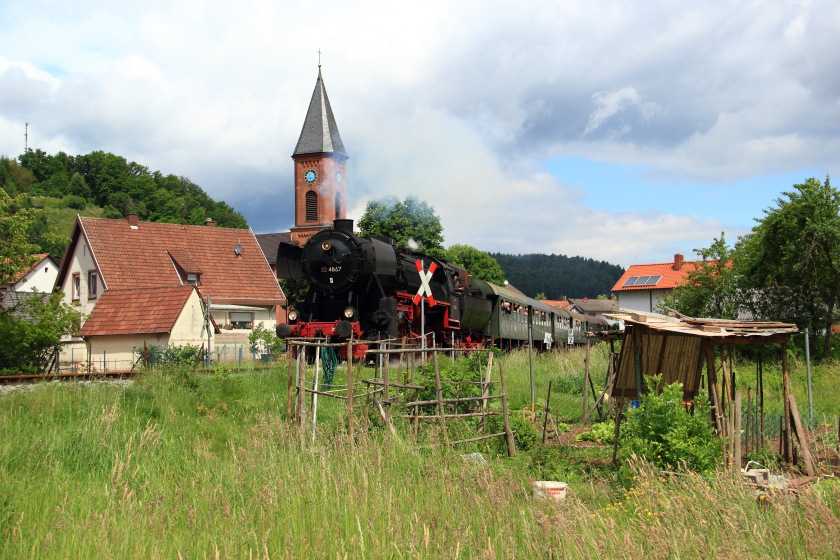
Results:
<point x="150" y="255"/>
<point x="137" y="311"/>
<point x="670" y="278"/>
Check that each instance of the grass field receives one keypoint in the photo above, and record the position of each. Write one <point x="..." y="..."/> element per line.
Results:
<point x="180" y="465"/>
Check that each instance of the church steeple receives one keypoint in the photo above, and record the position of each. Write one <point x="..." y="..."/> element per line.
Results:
<point x="320" y="167"/>
<point x="319" y="133"/>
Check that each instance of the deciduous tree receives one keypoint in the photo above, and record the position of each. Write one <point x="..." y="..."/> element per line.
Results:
<point x="413" y="223"/>
<point x="710" y="289"/>
<point x="791" y="259"/>
<point x="31" y="326"/>
<point x="478" y="263"/>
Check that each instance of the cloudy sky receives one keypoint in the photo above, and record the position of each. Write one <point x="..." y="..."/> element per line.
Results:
<point x="620" y="131"/>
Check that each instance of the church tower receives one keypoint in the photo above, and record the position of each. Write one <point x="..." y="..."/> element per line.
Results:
<point x="320" y="169"/>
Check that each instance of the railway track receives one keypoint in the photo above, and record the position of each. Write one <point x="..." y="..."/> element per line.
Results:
<point x="4" y="379"/>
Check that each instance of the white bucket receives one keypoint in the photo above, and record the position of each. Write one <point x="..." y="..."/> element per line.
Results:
<point x="550" y="489"/>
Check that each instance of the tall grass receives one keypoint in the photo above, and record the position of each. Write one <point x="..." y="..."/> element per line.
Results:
<point x="205" y="466"/>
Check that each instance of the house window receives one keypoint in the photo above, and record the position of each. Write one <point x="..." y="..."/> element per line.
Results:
<point x="76" y="286"/>
<point x="192" y="279"/>
<point x="93" y="285"/>
<point x="311" y="206"/>
<point x="242" y="320"/>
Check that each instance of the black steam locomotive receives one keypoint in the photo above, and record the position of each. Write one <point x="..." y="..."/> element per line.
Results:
<point x="367" y="288"/>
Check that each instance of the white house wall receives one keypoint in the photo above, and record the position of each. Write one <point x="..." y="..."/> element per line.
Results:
<point x="117" y="352"/>
<point x="188" y="326"/>
<point x="641" y="300"/>
<point x="42" y="278"/>
<point x="81" y="263"/>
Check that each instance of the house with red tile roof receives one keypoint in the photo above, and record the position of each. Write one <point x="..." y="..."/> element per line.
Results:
<point x="135" y="282"/>
<point x="40" y="276"/>
<point x="642" y="287"/>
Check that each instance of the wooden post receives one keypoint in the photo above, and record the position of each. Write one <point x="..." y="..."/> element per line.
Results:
<point x="714" y="397"/>
<point x="315" y="391"/>
<point x="387" y="387"/>
<point x="802" y="438"/>
<point x="730" y="441"/>
<point x="585" y="382"/>
<point x="439" y="396"/>
<point x="761" y="397"/>
<point x="511" y="445"/>
<point x="749" y="429"/>
<point x="726" y="394"/>
<point x="299" y="376"/>
<point x="350" y="387"/>
<point x="301" y="398"/>
<point x="289" y="385"/>
<point x="617" y="430"/>
<point x="785" y="394"/>
<point x="736" y="433"/>
<point x="485" y="389"/>
<point x="547" y="401"/>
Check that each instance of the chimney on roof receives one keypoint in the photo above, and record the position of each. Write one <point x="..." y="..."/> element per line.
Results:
<point x="678" y="261"/>
<point x="132" y="220"/>
<point x="209" y="222"/>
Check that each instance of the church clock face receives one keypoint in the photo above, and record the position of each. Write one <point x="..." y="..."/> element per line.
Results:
<point x="310" y="176"/>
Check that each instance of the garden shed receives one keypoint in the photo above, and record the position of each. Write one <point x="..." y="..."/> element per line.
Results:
<point x="682" y="349"/>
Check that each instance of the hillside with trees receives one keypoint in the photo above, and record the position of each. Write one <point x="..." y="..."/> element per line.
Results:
<point x="559" y="276"/>
<point x="101" y="183"/>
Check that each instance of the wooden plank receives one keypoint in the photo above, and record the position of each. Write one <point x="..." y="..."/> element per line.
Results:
<point x="802" y="438"/>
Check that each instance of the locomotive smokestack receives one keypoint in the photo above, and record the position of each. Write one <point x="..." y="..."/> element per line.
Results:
<point x="345" y="225"/>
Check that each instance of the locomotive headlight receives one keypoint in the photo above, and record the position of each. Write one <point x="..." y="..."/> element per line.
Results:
<point x="326" y="246"/>
<point x="293" y="314"/>
<point x="349" y="313"/>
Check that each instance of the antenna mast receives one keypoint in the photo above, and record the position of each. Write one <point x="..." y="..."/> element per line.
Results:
<point x="26" y="135"/>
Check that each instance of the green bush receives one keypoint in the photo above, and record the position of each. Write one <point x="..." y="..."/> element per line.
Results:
<point x="664" y="432"/>
<point x="73" y="201"/>
<point x="524" y="433"/>
<point x="263" y="341"/>
<point x="602" y="432"/>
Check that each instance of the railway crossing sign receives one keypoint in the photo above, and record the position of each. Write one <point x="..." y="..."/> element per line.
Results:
<point x="425" y="290"/>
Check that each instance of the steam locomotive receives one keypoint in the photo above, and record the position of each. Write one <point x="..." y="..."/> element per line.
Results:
<point x="369" y="289"/>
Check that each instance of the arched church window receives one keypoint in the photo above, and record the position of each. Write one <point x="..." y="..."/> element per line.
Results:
<point x="311" y="206"/>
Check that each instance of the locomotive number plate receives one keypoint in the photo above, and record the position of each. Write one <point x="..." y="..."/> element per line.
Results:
<point x="330" y="269"/>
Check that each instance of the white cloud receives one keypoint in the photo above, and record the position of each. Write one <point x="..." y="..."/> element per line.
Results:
<point x="460" y="103"/>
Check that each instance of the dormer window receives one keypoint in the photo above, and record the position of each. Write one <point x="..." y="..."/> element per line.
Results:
<point x="192" y="279"/>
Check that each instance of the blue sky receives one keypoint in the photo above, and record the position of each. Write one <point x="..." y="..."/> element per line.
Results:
<point x="619" y="131"/>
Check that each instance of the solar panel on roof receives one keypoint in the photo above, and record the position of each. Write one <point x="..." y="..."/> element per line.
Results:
<point x="642" y="281"/>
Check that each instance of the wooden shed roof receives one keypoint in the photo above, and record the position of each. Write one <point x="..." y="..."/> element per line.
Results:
<point x="675" y="347"/>
<point x="734" y="332"/>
